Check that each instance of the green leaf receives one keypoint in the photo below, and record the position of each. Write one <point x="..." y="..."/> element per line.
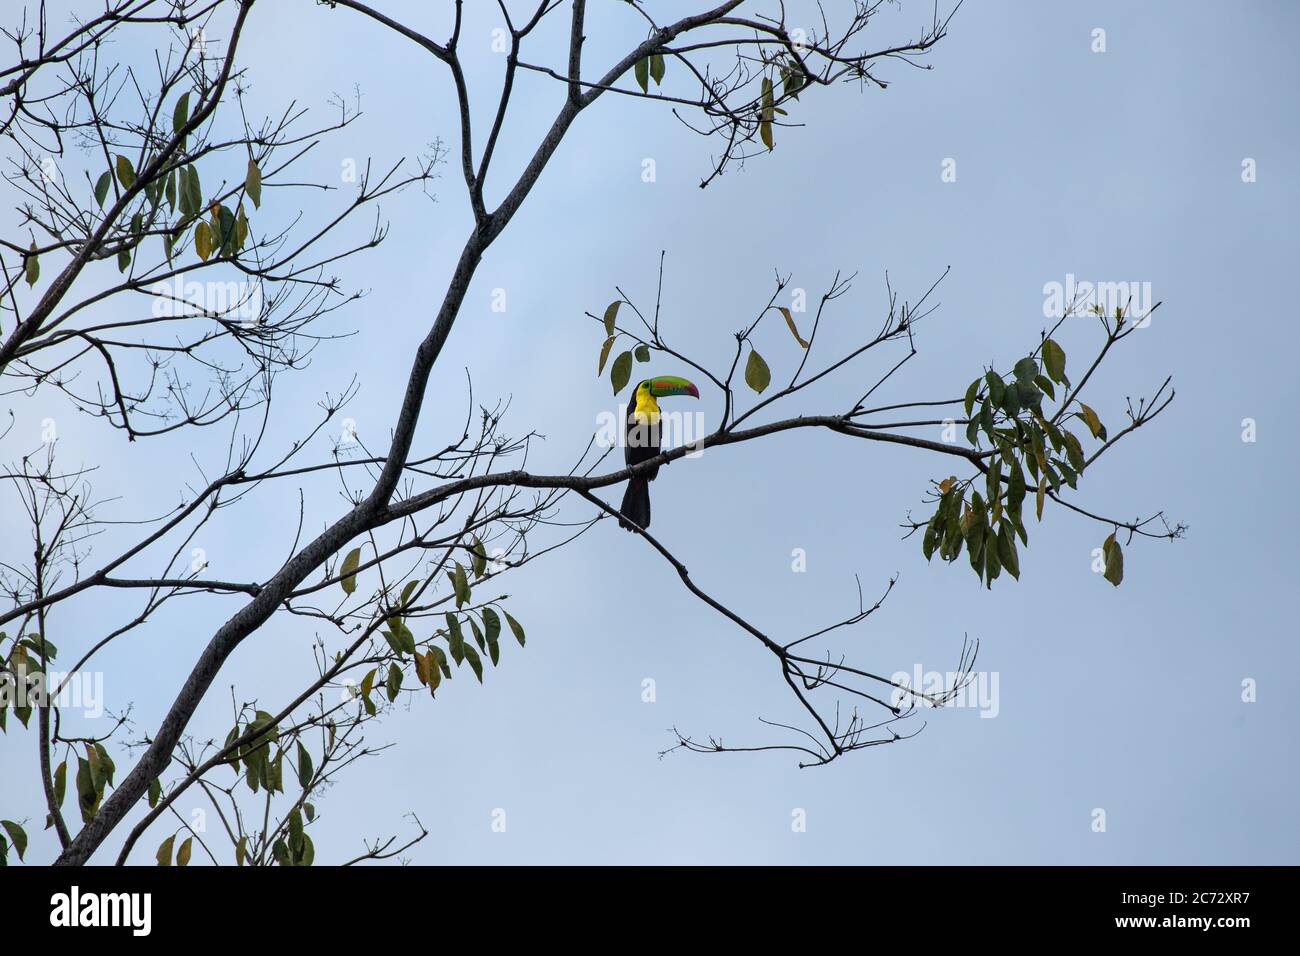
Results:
<point x="997" y="387"/>
<point x="97" y="776"/>
<point x="621" y="371"/>
<point x="475" y="662"/>
<point x="394" y="682"/>
<point x="295" y="829"/>
<point x="765" y="116"/>
<point x="164" y="854"/>
<point x="969" y="401"/>
<point x="87" y="793"/>
<point x="1011" y="402"/>
<point x="461" y="585"/>
<point x="930" y="540"/>
<point x="253" y="184"/>
<point x="155" y="792"/>
<point x="1015" y="487"/>
<point x="1114" y="557"/>
<point x="478" y="561"/>
<point x="515" y="628"/>
<point x="794" y="329"/>
<point x="1054" y="361"/>
<point x="192" y="193"/>
<point x="455" y="639"/>
<point x="642" y="70"/>
<point x="407" y="591"/>
<point x="491" y="624"/>
<point x="125" y="171"/>
<point x="1007" y="549"/>
<point x="224" y="229"/>
<point x="611" y="315"/>
<point x="347" y="570"/>
<point x="241" y="851"/>
<point x="757" y="375"/>
<point x="992" y="561"/>
<point x="170" y="190"/>
<point x="642" y="352"/>
<point x="1073" y="450"/>
<point x="993" y="481"/>
<point x="181" y="114"/>
<point x="440" y="658"/>
<point x="106" y="762"/>
<point x="792" y="80"/>
<point x="1026" y="370"/>
<point x="657" y="68"/>
<point x="1036" y="445"/>
<point x="101" y="187"/>
<point x="274" y="772"/>
<point x="60" y="783"/>
<point x="183" y="854"/>
<point x="123" y="260"/>
<point x="17" y="834"/>
<point x="304" y="766"/>
<point x="604" y="355"/>
<point x="32" y="265"/>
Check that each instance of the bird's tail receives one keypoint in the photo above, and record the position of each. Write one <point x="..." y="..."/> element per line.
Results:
<point x="636" y="504"/>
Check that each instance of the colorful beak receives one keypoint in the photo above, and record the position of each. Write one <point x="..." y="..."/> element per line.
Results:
<point x="664" y="385"/>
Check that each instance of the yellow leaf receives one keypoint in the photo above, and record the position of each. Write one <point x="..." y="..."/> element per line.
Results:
<point x="1093" y="422"/>
<point x="348" y="578"/>
<point x="203" y="240"/>
<point x="794" y="330"/>
<point x="604" y="356"/>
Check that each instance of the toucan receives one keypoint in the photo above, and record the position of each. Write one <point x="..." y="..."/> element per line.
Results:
<point x="641" y="442"/>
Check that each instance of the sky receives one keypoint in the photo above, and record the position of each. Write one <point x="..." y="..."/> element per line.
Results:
<point x="1117" y="165"/>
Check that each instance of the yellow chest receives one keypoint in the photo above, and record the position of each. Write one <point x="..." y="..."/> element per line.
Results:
<point x="646" y="410"/>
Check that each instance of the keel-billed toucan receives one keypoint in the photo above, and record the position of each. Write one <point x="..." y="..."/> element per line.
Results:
<point x="641" y="442"/>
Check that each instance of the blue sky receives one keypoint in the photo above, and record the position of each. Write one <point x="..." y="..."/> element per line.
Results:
<point x="1116" y="166"/>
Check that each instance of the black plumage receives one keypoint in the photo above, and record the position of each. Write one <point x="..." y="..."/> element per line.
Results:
<point x="641" y="443"/>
